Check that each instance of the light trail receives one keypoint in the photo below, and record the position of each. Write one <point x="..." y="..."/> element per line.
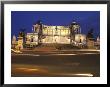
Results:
<point x="76" y="75"/>
<point x="84" y="50"/>
<point x="88" y="53"/>
<point x="25" y="55"/>
<point x="27" y="69"/>
<point x="89" y="75"/>
<point x="53" y="54"/>
<point x="62" y="54"/>
<point x="61" y="74"/>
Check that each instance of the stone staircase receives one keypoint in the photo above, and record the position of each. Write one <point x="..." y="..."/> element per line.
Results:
<point x="45" y="47"/>
<point x="56" y="47"/>
<point x="53" y="47"/>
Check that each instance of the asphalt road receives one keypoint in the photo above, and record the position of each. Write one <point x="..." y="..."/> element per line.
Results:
<point x="56" y="64"/>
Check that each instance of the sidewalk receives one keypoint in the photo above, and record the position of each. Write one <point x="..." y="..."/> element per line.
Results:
<point x="41" y="49"/>
<point x="53" y="49"/>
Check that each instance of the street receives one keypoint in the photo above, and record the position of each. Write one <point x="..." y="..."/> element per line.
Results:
<point x="56" y="64"/>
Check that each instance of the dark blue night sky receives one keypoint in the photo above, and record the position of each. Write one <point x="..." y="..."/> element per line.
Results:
<point x="25" y="19"/>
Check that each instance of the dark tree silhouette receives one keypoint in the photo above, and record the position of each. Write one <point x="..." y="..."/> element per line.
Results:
<point x="23" y="31"/>
<point x="90" y="33"/>
<point x="22" y="34"/>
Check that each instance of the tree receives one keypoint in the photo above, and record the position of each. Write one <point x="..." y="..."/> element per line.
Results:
<point x="90" y="33"/>
<point x="22" y="34"/>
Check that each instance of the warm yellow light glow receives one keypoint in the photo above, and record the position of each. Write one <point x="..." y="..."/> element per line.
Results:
<point x="62" y="32"/>
<point x="79" y="37"/>
<point x="21" y="68"/>
<point x="27" y="69"/>
<point x="32" y="70"/>
<point x="16" y="51"/>
<point x="77" y="75"/>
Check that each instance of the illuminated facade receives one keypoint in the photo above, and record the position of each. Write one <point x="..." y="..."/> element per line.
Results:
<point x="80" y="38"/>
<point x="48" y="34"/>
<point x="32" y="38"/>
<point x="55" y="34"/>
